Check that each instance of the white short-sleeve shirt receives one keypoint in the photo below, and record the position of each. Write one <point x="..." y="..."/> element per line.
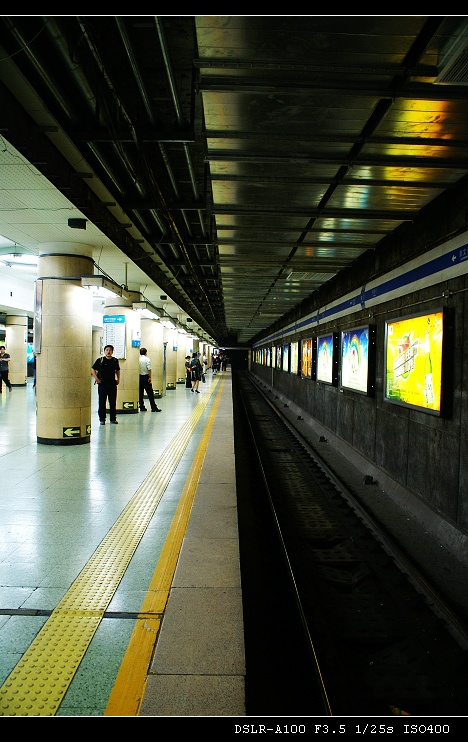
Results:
<point x="145" y="365"/>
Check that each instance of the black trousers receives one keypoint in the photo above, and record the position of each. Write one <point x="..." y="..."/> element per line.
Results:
<point x="146" y="386"/>
<point x="4" y="378"/>
<point x="107" y="393"/>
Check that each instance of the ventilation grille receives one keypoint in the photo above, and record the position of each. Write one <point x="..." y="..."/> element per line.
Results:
<point x="455" y="72"/>
<point x="314" y="277"/>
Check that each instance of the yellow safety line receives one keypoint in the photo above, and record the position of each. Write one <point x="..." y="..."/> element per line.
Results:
<point x="128" y="691"/>
<point x="38" y="683"/>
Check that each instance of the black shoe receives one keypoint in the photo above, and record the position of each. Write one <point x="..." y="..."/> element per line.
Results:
<point x="10" y="388"/>
<point x="197" y="391"/>
<point x="103" y="422"/>
<point x="114" y="422"/>
<point x="143" y="409"/>
<point x="156" y="409"/>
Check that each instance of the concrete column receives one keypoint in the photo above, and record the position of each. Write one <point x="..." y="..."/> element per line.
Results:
<point x="152" y="339"/>
<point x="203" y="351"/>
<point x="188" y="344"/>
<point x="62" y="339"/>
<point x="181" y="353"/>
<point x="97" y="352"/>
<point x="129" y="358"/>
<point x="17" y="345"/>
<point x="170" y="338"/>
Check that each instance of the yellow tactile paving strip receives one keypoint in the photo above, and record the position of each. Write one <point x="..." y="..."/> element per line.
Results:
<point x="38" y="683"/>
<point x="127" y="695"/>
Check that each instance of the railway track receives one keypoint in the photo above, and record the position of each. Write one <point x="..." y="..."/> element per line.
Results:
<point x="348" y="625"/>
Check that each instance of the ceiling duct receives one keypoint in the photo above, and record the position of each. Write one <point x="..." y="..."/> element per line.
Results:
<point x="454" y="62"/>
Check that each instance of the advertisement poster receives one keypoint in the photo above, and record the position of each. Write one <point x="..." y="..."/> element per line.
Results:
<point x="306" y="356"/>
<point x="38" y="316"/>
<point x="294" y="357"/>
<point x="355" y="359"/>
<point x="413" y="362"/>
<point x="279" y="357"/>
<point x="325" y="359"/>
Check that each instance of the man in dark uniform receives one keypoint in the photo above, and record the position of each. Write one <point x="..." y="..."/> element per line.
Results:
<point x="188" y="373"/>
<point x="106" y="372"/>
<point x="4" y="368"/>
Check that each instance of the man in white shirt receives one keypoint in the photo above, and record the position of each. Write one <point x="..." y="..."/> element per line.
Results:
<point x="145" y="382"/>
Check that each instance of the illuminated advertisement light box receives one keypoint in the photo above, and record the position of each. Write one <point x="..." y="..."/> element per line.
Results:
<point x="279" y="357"/>
<point x="306" y="358"/>
<point x="294" y="357"/>
<point x="285" y="363"/>
<point x="326" y="359"/>
<point x="358" y="359"/>
<point x="414" y="351"/>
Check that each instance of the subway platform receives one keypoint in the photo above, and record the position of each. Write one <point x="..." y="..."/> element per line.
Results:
<point x="120" y="588"/>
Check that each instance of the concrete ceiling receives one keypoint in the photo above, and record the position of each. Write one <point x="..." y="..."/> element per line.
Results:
<point x="234" y="164"/>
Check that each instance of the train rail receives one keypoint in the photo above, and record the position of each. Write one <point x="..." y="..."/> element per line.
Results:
<point x="349" y="625"/>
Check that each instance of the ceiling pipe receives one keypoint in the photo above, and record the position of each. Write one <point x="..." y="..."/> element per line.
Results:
<point x="74" y="69"/>
<point x="118" y="148"/>
<point x="147" y="103"/>
<point x="178" y="110"/>
<point x="133" y="62"/>
<point x="56" y="40"/>
<point x="27" y="50"/>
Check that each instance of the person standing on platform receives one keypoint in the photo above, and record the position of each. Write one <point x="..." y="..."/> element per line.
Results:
<point x="145" y="382"/>
<point x="106" y="372"/>
<point x="4" y="368"/>
<point x="196" y="370"/>
<point x="188" y="373"/>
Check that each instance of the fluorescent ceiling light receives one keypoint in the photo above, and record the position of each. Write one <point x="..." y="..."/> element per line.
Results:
<point x="5" y="242"/>
<point x="19" y="260"/>
<point x="146" y="309"/>
<point x="168" y="322"/>
<point x="102" y="286"/>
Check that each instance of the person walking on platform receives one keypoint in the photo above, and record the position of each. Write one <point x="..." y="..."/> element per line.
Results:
<point x="216" y="364"/>
<point x="145" y="382"/>
<point x="106" y="372"/>
<point x="4" y="368"/>
<point x="188" y="373"/>
<point x="196" y="369"/>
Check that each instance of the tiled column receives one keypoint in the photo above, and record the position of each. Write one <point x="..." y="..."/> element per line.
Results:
<point x="129" y="361"/>
<point x="181" y="353"/>
<point x="171" y="358"/>
<point x="152" y="339"/>
<point x="16" y="346"/>
<point x="62" y="340"/>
